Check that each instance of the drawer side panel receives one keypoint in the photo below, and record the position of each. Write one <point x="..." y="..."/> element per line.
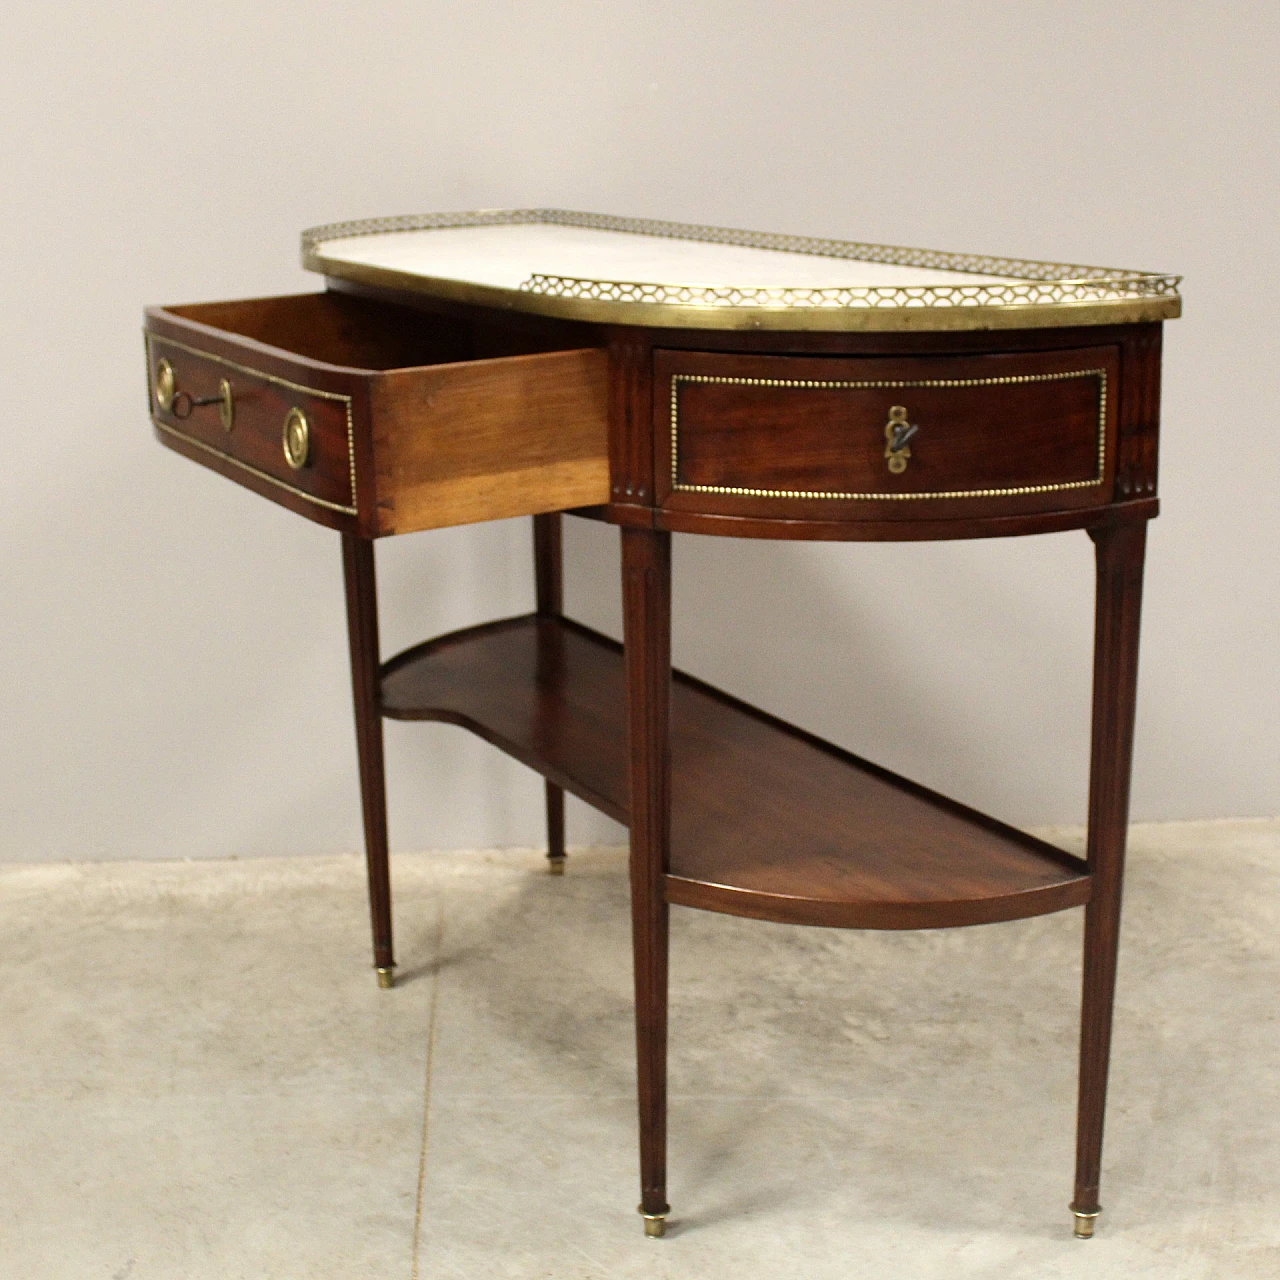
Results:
<point x="490" y="439"/>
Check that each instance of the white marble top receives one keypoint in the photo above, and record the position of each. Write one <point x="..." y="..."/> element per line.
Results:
<point x="509" y="256"/>
<point x="632" y="271"/>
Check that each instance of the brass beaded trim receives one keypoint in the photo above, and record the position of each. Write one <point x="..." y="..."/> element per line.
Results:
<point x="253" y="471"/>
<point x="1034" y="283"/>
<point x="676" y="379"/>
<point x="345" y="400"/>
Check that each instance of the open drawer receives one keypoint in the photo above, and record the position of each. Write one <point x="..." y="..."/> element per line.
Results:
<point x="381" y="419"/>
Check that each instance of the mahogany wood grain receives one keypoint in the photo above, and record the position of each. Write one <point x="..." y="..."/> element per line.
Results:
<point x="767" y="820"/>
<point x="548" y="564"/>
<point x="1120" y="554"/>
<point x="337" y="330"/>
<point x="1136" y="471"/>
<point x="1007" y="431"/>
<point x="256" y="439"/>
<point x="1135" y="431"/>
<point x="265" y="383"/>
<point x="473" y="427"/>
<point x="630" y="432"/>
<point x="362" y="635"/>
<point x="494" y="331"/>
<point x="217" y="461"/>
<point x="489" y="439"/>
<point x="463" y="413"/>
<point x="547" y="691"/>
<point x="548" y="570"/>
<point x="351" y="330"/>
<point x="787" y="530"/>
<point x="646" y="616"/>
<point x="834" y="343"/>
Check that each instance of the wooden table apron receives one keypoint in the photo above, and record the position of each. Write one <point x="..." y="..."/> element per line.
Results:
<point x="748" y="433"/>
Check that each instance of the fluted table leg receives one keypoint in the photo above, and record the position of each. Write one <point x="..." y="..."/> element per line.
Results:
<point x="362" y="634"/>
<point x="548" y="568"/>
<point x="1120" y="552"/>
<point x="646" y="578"/>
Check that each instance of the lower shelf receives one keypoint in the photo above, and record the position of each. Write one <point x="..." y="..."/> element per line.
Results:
<point x="766" y="820"/>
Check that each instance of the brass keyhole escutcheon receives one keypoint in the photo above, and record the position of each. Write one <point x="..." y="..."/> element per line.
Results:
<point x="897" y="433"/>
<point x="166" y="385"/>
<point x="297" y="438"/>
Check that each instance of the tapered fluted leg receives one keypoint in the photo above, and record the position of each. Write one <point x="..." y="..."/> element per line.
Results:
<point x="646" y="580"/>
<point x="362" y="633"/>
<point x="1120" y="552"/>
<point x="548" y="569"/>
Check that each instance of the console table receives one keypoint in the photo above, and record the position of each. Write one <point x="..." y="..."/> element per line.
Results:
<point x="671" y="378"/>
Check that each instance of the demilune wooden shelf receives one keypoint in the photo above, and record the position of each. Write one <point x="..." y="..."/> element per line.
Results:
<point x="767" y="821"/>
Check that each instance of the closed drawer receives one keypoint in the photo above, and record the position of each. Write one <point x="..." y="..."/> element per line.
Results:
<point x="885" y="438"/>
<point x="376" y="418"/>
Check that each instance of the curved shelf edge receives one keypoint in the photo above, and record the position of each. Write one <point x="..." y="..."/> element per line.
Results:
<point x="915" y="529"/>
<point x="767" y="821"/>
<point x="1073" y="891"/>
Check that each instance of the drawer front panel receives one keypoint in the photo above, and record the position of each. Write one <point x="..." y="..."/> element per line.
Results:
<point x="914" y="438"/>
<point x="323" y="443"/>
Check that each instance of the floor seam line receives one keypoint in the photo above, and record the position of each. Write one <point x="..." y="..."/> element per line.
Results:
<point x="426" y="1090"/>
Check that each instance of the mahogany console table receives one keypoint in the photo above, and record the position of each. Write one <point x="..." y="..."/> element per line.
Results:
<point x="661" y="377"/>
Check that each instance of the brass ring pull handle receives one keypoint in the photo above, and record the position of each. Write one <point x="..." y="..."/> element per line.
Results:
<point x="297" y="439"/>
<point x="898" y="433"/>
<point x="180" y="403"/>
<point x="166" y="385"/>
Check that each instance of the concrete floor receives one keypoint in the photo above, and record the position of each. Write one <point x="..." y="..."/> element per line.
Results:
<point x="199" y="1079"/>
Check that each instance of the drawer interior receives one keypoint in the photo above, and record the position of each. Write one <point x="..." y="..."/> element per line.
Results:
<point x="354" y="332"/>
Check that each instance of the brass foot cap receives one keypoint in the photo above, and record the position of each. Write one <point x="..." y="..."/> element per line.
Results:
<point x="555" y="863"/>
<point x="655" y="1224"/>
<point x="386" y="978"/>
<point x="1084" y="1223"/>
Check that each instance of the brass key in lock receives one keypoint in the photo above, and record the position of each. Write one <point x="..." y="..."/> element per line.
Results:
<point x="180" y="403"/>
<point x="897" y="433"/>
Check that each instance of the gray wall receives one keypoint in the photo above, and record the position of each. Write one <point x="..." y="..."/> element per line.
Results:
<point x="173" y="646"/>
